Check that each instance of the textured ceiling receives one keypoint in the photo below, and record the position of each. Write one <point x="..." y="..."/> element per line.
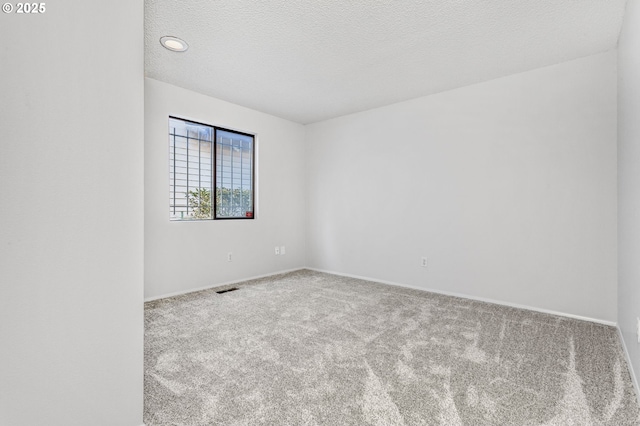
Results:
<point x="310" y="60"/>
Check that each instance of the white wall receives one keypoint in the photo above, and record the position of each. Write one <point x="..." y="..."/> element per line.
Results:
<point x="629" y="180"/>
<point x="508" y="187"/>
<point x="182" y="256"/>
<point x="71" y="234"/>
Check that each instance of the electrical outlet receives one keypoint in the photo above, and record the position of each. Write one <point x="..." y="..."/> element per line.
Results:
<point x="423" y="262"/>
<point x="638" y="329"/>
<point x="282" y="250"/>
<point x="277" y="250"/>
<point x="229" y="255"/>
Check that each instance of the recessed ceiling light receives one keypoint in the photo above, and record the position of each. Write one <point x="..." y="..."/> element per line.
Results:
<point x="174" y="43"/>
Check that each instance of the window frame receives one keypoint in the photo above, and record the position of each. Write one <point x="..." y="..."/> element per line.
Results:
<point x="214" y="171"/>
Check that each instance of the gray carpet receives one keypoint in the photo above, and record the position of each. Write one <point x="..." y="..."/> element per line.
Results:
<point x="307" y="348"/>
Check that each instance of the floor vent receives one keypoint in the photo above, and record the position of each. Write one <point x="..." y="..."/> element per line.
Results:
<point x="227" y="290"/>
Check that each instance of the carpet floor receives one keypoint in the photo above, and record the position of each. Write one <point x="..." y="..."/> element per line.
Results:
<point x="309" y="348"/>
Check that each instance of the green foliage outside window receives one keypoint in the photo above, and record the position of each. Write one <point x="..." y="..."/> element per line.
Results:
<point x="200" y="203"/>
<point x="230" y="203"/>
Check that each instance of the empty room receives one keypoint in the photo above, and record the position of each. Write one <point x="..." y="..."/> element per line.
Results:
<point x="320" y="213"/>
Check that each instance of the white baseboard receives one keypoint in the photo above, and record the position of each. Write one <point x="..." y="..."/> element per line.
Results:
<point x="466" y="296"/>
<point x="193" y="290"/>
<point x="431" y="290"/>
<point x="634" y="380"/>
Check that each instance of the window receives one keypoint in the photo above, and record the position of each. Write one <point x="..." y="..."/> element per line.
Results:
<point x="202" y="158"/>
